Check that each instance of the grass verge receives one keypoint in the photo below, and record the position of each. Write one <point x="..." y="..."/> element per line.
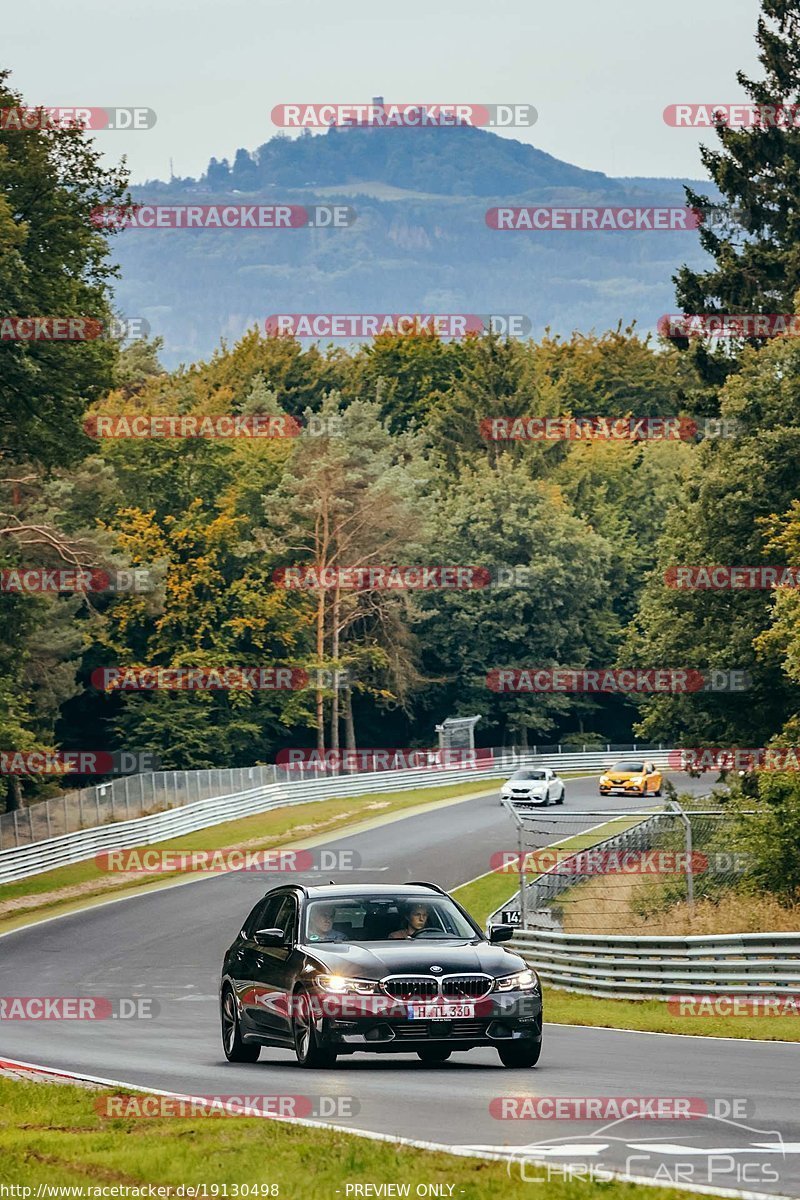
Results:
<point x="51" y="1134"/>
<point x="79" y="884"/>
<point x="484" y="895"/>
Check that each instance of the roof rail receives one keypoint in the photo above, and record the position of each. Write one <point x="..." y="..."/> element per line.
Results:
<point x="424" y="883"/>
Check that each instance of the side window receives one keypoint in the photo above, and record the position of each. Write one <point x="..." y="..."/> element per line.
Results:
<point x="264" y="914"/>
<point x="250" y="921"/>
<point x="286" y="914"/>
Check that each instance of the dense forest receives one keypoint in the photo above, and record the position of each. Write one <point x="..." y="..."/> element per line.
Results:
<point x="389" y="465"/>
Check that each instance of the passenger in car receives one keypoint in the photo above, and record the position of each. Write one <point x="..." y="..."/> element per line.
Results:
<point x="416" y="919"/>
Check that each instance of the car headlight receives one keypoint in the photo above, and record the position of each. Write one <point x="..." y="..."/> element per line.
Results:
<point x="521" y="981"/>
<point x="341" y="985"/>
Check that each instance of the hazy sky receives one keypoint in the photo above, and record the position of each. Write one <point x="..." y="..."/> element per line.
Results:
<point x="600" y="72"/>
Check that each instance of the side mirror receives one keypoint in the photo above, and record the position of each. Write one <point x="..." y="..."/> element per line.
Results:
<point x="501" y="933"/>
<point x="269" y="937"/>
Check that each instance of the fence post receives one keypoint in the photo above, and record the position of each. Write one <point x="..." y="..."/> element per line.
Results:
<point x="80" y="808"/>
<point x="523" y="921"/>
<point x="689" y="865"/>
<point x="97" y="802"/>
<point x="30" y="820"/>
<point x="127" y="800"/>
<point x="47" y="818"/>
<point x="16" y="826"/>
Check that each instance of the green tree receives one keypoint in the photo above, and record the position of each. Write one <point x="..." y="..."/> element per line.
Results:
<point x="738" y="487"/>
<point x="754" y="240"/>
<point x="552" y="612"/>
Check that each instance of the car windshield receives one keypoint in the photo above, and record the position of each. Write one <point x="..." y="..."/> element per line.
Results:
<point x="381" y="918"/>
<point x="527" y="773"/>
<point x="632" y="767"/>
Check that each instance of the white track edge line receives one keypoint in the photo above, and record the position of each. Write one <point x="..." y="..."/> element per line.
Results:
<point x="417" y="1143"/>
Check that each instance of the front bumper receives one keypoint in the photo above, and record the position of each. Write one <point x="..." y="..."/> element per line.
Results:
<point x="512" y="1016"/>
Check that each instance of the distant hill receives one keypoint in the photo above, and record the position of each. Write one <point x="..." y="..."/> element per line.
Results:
<point x="419" y="244"/>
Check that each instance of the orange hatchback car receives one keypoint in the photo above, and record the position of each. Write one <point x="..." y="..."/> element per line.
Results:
<point x="631" y="778"/>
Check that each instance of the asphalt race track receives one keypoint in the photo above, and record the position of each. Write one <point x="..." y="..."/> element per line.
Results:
<point x="168" y="945"/>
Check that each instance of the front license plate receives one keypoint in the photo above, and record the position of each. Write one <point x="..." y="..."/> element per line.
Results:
<point x="440" y="1012"/>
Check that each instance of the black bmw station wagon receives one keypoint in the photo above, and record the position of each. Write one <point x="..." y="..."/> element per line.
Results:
<point x="333" y="970"/>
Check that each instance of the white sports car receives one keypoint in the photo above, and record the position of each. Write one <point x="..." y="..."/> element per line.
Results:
<point x="533" y="787"/>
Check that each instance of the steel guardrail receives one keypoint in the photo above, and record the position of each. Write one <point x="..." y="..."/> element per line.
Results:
<point x="20" y="862"/>
<point x="640" y="968"/>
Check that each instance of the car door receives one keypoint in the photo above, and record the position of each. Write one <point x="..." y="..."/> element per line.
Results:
<point x="552" y="785"/>
<point x="254" y="998"/>
<point x="275" y="969"/>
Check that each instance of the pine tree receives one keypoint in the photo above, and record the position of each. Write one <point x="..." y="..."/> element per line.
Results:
<point x="754" y="236"/>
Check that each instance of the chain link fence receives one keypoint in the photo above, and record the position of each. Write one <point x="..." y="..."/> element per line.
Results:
<point x="602" y="871"/>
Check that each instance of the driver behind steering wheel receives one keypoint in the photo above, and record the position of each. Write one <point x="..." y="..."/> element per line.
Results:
<point x="416" y="916"/>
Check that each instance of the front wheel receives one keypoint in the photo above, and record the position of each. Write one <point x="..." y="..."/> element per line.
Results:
<point x="434" y="1054"/>
<point x="560" y="799"/>
<point x="236" y="1050"/>
<point x="520" y="1054"/>
<point x="306" y="1047"/>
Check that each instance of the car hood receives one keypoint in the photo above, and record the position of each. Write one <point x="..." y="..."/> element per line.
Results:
<point x="412" y="956"/>
<point x="622" y="776"/>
